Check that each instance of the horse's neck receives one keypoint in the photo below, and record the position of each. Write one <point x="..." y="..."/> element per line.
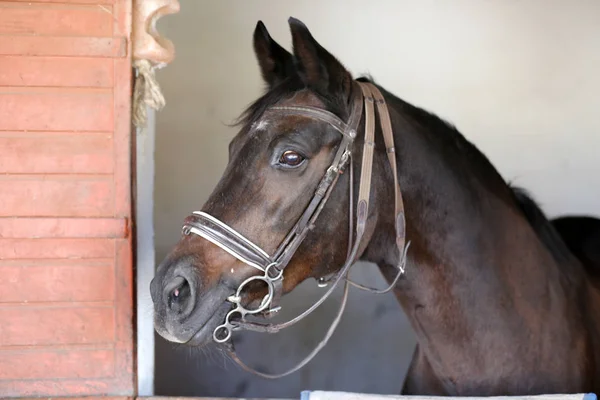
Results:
<point x="477" y="276"/>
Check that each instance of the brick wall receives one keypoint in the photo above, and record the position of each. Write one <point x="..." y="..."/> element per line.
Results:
<point x="65" y="246"/>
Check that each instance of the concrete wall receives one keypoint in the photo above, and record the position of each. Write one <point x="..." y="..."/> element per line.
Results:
<point x="518" y="78"/>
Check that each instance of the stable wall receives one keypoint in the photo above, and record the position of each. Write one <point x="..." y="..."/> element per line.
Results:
<point x="66" y="284"/>
<point x="519" y="79"/>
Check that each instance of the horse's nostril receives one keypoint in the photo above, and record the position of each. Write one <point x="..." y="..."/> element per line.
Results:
<point x="179" y="295"/>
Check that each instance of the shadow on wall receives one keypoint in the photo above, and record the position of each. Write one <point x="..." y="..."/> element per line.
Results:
<point x="369" y="352"/>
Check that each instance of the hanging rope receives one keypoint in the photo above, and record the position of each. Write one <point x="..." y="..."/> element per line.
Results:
<point x="146" y="93"/>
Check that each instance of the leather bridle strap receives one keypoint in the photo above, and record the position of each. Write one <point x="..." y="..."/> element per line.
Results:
<point x="388" y="136"/>
<point x="305" y="223"/>
<point x="308" y="358"/>
<point x="373" y="95"/>
<point x="220" y="234"/>
<point x="244" y="250"/>
<point x="272" y="266"/>
<point x="363" y="199"/>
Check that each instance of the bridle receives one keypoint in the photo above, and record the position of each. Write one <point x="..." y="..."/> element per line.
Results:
<point x="272" y="267"/>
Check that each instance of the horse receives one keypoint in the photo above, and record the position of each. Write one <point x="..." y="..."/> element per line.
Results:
<point x="499" y="305"/>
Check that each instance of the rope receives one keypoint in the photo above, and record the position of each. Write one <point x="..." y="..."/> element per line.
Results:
<point x="146" y="93"/>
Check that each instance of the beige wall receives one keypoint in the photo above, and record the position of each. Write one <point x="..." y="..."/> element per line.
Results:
<point x="518" y="78"/>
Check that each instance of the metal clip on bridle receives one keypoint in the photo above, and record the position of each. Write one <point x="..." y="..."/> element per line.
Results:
<point x="272" y="267"/>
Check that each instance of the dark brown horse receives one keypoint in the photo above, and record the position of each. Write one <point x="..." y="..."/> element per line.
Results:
<point x="499" y="304"/>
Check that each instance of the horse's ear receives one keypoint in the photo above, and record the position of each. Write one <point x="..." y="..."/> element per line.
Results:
<point x="275" y="62"/>
<point x="318" y="68"/>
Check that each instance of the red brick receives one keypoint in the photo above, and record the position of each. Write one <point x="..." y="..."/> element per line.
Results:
<point x="55" y="19"/>
<point x="57" y="280"/>
<point x="32" y="153"/>
<point x="56" y="195"/>
<point x="68" y="324"/>
<point x="56" y="71"/>
<point x="63" y="46"/>
<point x="16" y="249"/>
<point x="40" y="109"/>
<point x="12" y="227"/>
<point x="56" y="364"/>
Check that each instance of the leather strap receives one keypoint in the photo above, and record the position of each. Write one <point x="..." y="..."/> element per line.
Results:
<point x="362" y="215"/>
<point x="364" y="191"/>
<point x="220" y="234"/>
<point x="314" y="113"/>
<point x="243" y="249"/>
<point x="388" y="136"/>
<point x="231" y="348"/>
<point x="373" y="95"/>
<point x="306" y="222"/>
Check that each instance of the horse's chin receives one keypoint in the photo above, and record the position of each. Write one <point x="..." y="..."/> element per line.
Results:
<point x="204" y="335"/>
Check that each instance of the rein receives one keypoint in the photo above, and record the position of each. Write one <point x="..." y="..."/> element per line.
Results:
<point x="271" y="268"/>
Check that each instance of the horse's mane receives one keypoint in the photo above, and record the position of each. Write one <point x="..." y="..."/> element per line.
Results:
<point x="542" y="225"/>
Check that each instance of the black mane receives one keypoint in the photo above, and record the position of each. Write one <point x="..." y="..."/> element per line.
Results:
<point x="542" y="225"/>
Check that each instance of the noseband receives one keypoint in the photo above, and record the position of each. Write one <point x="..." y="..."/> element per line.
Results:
<point x="271" y="268"/>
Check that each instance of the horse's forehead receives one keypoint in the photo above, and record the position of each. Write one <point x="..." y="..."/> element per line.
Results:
<point x="301" y="98"/>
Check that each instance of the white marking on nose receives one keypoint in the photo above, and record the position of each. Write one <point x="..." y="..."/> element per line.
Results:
<point x="232" y="270"/>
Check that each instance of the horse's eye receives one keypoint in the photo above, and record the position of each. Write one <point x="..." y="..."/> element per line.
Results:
<point x="291" y="158"/>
